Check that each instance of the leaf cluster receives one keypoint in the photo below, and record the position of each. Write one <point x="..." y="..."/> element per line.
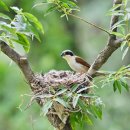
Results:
<point x="19" y="29"/>
<point x="118" y="79"/>
<point x="123" y="24"/>
<point x="76" y="101"/>
<point x="64" y="6"/>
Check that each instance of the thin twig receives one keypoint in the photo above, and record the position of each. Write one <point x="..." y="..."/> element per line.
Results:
<point x="92" y="24"/>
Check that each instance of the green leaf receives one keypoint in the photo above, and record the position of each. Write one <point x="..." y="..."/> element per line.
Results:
<point x="97" y="111"/>
<point x="73" y="117"/>
<point x="125" y="52"/>
<point x="73" y="121"/>
<point x="34" y="32"/>
<point x="3" y="5"/>
<point x="75" y="100"/>
<point x="117" y="85"/>
<point x="34" y="20"/>
<point x="61" y="101"/>
<point x="115" y="7"/>
<point x="69" y="94"/>
<point x="39" y="4"/>
<point x="25" y="27"/>
<point x="118" y="13"/>
<point x="88" y="95"/>
<point x="50" y="10"/>
<point x="114" y="86"/>
<point x="63" y="15"/>
<point x="125" y="2"/>
<point x="5" y="16"/>
<point x="127" y="37"/>
<point x="61" y="91"/>
<point x="82" y="105"/>
<point x="65" y="5"/>
<point x="76" y="119"/>
<point x="123" y="45"/>
<point x="74" y="88"/>
<point x="72" y="4"/>
<point x="122" y="29"/>
<point x="23" y="40"/>
<point x="118" y="24"/>
<point x="8" y="28"/>
<point x="125" y="85"/>
<point x="46" y="107"/>
<point x="16" y="9"/>
<point x="118" y="34"/>
<point x="87" y="119"/>
<point x="10" y="43"/>
<point x="7" y="40"/>
<point x="82" y="89"/>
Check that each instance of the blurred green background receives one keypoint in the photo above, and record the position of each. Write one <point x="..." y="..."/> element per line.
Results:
<point x="61" y="34"/>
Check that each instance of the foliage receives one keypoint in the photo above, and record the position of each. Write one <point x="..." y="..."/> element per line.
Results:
<point x="76" y="101"/>
<point x="18" y="29"/>
<point x="122" y="25"/>
<point x="24" y="24"/>
<point x="118" y="79"/>
<point x="64" y="6"/>
<point x="82" y="105"/>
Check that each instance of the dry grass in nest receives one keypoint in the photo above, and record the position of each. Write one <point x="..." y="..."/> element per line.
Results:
<point x="55" y="79"/>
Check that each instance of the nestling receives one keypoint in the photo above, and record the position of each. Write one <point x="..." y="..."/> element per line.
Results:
<point x="76" y="63"/>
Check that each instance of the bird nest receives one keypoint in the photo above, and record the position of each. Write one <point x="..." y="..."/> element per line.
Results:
<point x="55" y="79"/>
<point x="58" y="93"/>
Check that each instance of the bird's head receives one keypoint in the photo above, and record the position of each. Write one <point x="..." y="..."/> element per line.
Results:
<point x="67" y="54"/>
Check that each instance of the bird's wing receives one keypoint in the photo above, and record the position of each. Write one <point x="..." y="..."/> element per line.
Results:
<point x="81" y="61"/>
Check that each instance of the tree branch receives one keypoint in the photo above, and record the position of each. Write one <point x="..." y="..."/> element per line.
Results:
<point x="21" y="61"/>
<point x="112" y="45"/>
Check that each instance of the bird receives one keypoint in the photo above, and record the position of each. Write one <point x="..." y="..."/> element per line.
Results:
<point x="78" y="64"/>
<point x="75" y="62"/>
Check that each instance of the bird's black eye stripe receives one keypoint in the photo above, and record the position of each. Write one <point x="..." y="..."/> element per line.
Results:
<point x="69" y="53"/>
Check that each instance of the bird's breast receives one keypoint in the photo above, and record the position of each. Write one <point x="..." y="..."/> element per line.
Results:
<point x="77" y="66"/>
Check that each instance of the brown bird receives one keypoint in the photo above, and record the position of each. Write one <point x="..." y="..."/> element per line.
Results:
<point x="76" y="63"/>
